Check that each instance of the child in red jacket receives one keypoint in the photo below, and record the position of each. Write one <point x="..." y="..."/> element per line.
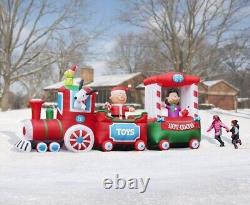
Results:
<point x="217" y="125"/>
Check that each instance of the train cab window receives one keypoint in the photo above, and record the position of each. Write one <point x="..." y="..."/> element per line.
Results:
<point x="60" y="102"/>
<point x="72" y="101"/>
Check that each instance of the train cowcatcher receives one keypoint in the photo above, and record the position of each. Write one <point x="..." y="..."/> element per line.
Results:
<point x="80" y="130"/>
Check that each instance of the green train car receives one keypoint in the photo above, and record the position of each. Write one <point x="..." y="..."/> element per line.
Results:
<point x="185" y="131"/>
<point x="165" y="130"/>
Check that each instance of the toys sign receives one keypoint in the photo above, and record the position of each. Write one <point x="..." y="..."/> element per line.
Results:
<point x="124" y="132"/>
<point x="180" y="126"/>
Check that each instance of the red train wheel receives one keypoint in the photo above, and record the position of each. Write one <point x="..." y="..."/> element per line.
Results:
<point x="194" y="144"/>
<point x="164" y="145"/>
<point x="107" y="145"/>
<point x="79" y="138"/>
<point x="140" y="145"/>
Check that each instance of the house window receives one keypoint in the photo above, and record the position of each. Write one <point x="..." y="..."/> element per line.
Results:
<point x="202" y="98"/>
<point x="103" y="96"/>
<point x="130" y="97"/>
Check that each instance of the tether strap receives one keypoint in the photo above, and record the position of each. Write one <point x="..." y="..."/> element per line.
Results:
<point x="46" y="129"/>
<point x="60" y="127"/>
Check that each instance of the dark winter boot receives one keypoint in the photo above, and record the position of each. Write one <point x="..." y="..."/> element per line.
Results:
<point x="235" y="145"/>
<point x="239" y="141"/>
<point x="221" y="142"/>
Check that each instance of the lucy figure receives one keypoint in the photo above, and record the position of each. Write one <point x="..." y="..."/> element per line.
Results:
<point x="217" y="125"/>
<point x="172" y="103"/>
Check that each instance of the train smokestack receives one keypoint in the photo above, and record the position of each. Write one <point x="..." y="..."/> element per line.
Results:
<point x="36" y="106"/>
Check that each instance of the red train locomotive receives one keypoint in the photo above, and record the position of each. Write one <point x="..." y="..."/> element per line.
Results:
<point x="80" y="129"/>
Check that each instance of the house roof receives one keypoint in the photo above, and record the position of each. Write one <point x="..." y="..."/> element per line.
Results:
<point x="172" y="79"/>
<point x="211" y="83"/>
<point x="140" y="86"/>
<point x="99" y="81"/>
<point x="56" y="86"/>
<point x="112" y="80"/>
<point x="243" y="99"/>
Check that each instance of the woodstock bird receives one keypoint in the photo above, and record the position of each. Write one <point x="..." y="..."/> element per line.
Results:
<point x="69" y="75"/>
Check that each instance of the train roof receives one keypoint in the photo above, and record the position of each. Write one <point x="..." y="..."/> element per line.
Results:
<point x="172" y="79"/>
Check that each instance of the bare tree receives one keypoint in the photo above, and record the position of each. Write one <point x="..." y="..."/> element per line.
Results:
<point x="33" y="85"/>
<point x="185" y="27"/>
<point x="26" y="28"/>
<point x="69" y="50"/>
<point x="136" y="52"/>
<point x="128" y="53"/>
<point x="236" y="63"/>
<point x="73" y="48"/>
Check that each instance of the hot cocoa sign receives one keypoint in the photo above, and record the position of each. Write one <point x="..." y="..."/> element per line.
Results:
<point x="180" y="125"/>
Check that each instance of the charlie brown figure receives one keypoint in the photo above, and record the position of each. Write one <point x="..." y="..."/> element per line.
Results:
<point x="118" y="99"/>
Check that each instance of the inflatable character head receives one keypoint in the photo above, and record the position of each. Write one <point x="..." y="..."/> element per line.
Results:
<point x="118" y="95"/>
<point x="234" y="122"/>
<point x="216" y="118"/>
<point x="173" y="97"/>
<point x="81" y="97"/>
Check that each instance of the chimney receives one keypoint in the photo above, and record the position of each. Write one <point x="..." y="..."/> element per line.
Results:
<point x="36" y="106"/>
<point x="87" y="74"/>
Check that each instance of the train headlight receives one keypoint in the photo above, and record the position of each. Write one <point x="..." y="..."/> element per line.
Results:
<point x="27" y="130"/>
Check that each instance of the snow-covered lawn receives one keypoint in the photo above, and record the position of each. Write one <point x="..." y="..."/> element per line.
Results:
<point x="209" y="175"/>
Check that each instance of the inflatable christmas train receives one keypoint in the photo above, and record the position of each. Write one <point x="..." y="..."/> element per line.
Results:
<point x="79" y="127"/>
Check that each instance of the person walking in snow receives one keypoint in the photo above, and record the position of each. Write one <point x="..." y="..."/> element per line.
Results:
<point x="235" y="133"/>
<point x="217" y="125"/>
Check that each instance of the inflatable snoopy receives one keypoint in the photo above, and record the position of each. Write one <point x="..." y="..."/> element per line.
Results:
<point x="81" y="98"/>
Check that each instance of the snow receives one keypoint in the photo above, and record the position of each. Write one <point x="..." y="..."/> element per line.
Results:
<point x="210" y="83"/>
<point x="99" y="81"/>
<point x="141" y="86"/>
<point x="112" y="80"/>
<point x="209" y="175"/>
<point x="244" y="113"/>
<point x="243" y="99"/>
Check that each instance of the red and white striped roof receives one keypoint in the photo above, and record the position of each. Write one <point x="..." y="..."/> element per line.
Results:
<point x="166" y="80"/>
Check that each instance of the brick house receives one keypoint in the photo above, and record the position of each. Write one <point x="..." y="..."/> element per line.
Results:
<point x="103" y="84"/>
<point x="220" y="93"/>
